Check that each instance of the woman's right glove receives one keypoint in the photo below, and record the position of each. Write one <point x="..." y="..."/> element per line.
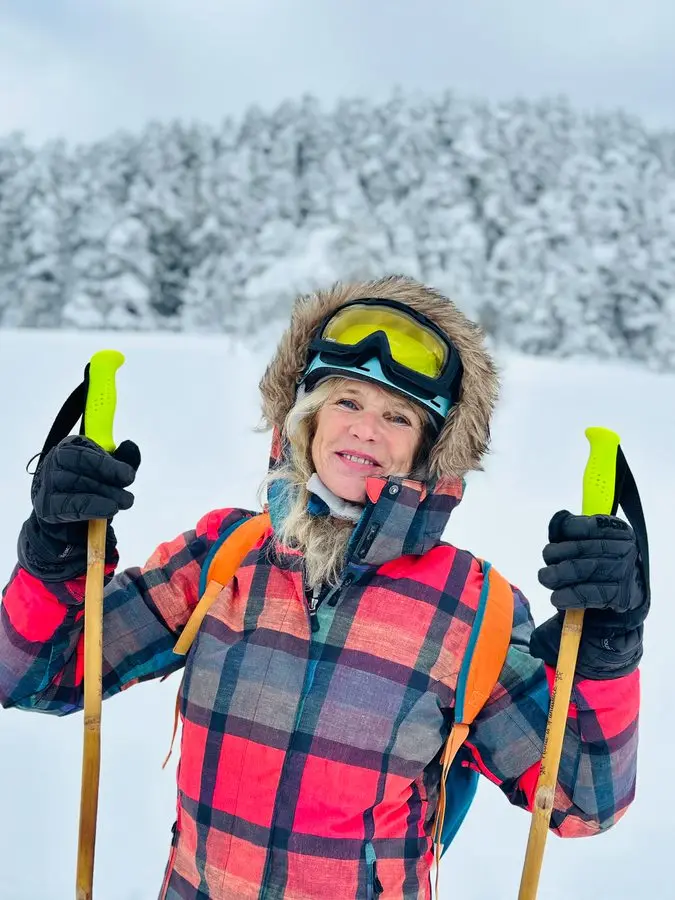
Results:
<point x="75" y="482"/>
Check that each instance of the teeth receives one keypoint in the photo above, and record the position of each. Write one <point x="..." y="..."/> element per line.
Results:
<point x="358" y="459"/>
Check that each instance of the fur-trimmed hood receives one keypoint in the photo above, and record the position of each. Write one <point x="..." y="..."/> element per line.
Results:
<point x="465" y="435"/>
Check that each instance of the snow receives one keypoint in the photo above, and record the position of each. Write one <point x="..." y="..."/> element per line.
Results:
<point x="191" y="403"/>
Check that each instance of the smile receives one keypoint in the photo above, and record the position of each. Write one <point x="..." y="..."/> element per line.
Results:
<point x="356" y="459"/>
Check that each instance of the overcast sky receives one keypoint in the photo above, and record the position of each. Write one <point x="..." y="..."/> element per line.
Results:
<point x="83" y="68"/>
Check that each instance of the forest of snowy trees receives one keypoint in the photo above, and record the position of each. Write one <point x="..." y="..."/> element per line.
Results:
<point x="554" y="228"/>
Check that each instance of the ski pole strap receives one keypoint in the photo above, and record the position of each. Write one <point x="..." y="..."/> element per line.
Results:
<point x="67" y="417"/>
<point x="628" y="498"/>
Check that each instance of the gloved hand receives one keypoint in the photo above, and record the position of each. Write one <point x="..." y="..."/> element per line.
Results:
<point x="592" y="563"/>
<point x="77" y="481"/>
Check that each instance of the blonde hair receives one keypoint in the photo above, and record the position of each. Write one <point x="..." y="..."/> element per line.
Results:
<point x="322" y="540"/>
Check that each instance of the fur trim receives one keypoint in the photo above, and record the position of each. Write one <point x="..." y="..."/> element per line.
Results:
<point x="465" y="436"/>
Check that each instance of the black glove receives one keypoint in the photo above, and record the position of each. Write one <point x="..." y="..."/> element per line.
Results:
<point x="592" y="563"/>
<point x="75" y="482"/>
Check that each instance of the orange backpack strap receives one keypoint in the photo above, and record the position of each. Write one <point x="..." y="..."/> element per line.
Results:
<point x="482" y="664"/>
<point x="220" y="566"/>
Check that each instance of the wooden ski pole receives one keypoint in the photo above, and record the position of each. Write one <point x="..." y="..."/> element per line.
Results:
<point x="598" y="497"/>
<point x="98" y="422"/>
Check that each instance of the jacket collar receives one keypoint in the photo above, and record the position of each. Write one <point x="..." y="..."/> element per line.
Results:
<point x="402" y="517"/>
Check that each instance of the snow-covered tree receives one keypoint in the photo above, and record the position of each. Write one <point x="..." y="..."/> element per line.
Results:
<point x="554" y="228"/>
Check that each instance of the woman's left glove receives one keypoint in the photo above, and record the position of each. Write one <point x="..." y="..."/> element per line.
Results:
<point x="592" y="563"/>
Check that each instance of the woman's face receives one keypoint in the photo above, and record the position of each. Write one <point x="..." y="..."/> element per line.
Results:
<point x="364" y="430"/>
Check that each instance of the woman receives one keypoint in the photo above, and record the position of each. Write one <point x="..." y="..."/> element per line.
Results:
<point x="321" y="686"/>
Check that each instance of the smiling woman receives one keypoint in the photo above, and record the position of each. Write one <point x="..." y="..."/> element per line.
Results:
<point x="328" y="748"/>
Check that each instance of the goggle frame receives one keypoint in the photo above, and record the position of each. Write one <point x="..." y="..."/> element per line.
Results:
<point x="447" y="384"/>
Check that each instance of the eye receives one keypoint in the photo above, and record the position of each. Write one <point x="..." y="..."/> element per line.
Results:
<point x="347" y="403"/>
<point x="400" y="419"/>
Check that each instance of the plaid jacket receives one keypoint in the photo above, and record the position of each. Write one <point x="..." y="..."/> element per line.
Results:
<point x="309" y="762"/>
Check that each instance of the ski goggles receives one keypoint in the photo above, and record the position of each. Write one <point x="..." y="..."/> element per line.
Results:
<point x="386" y="341"/>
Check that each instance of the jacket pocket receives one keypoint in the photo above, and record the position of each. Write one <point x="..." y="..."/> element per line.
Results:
<point x="373" y="885"/>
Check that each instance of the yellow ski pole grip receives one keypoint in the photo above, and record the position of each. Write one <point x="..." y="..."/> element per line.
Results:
<point x="597" y="498"/>
<point x="99" y="410"/>
<point x="99" y="413"/>
<point x="600" y="473"/>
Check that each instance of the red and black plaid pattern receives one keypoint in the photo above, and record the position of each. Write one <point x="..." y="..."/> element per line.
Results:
<point x="309" y="762"/>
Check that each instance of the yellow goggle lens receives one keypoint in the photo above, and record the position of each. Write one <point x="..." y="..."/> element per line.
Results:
<point x="410" y="343"/>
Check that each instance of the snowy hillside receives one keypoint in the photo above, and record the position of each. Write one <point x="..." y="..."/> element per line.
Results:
<point x="553" y="227"/>
<point x="191" y="404"/>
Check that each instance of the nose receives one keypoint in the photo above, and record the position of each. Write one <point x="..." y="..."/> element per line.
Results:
<point x="365" y="426"/>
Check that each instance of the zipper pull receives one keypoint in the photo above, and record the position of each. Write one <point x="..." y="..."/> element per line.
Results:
<point x="334" y="595"/>
<point x="313" y="604"/>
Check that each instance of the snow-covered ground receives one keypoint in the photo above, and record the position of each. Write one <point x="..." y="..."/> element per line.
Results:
<point x="191" y="404"/>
